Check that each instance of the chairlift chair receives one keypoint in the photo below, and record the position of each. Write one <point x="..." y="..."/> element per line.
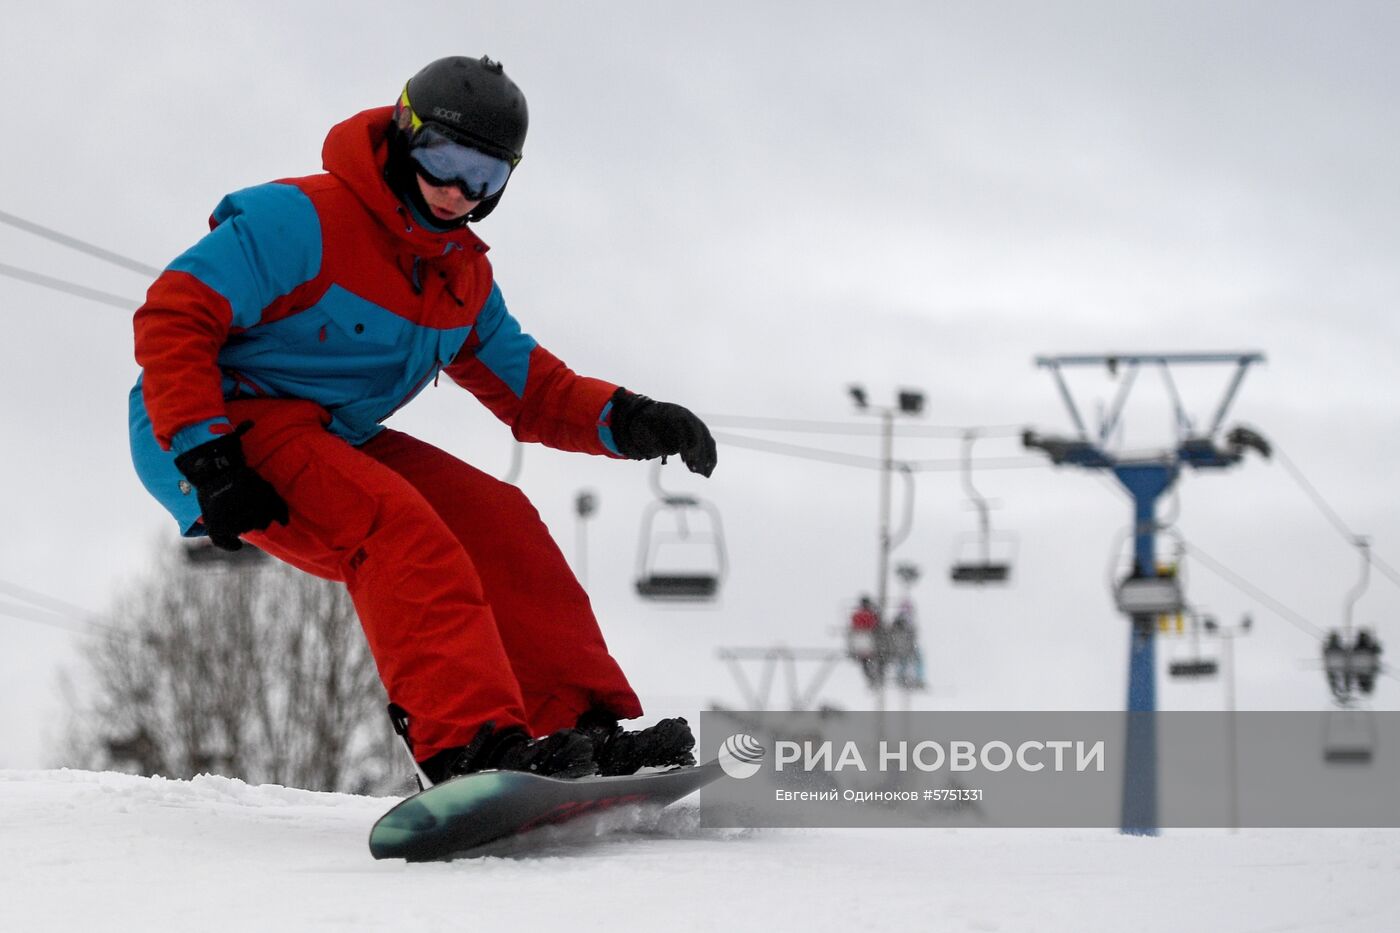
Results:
<point x="1194" y="668"/>
<point x="1351" y="665"/>
<point x="1195" y="665"/>
<point x="981" y="568"/>
<point x="655" y="581"/>
<point x="1348" y="736"/>
<point x="1353" y="661"/>
<point x="1152" y="596"/>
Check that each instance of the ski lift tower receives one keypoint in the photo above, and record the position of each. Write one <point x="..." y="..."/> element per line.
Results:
<point x="1145" y="594"/>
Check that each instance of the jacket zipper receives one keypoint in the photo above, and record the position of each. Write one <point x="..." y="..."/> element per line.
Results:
<point x="412" y="392"/>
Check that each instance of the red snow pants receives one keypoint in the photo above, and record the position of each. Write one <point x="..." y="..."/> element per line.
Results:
<point x="471" y="612"/>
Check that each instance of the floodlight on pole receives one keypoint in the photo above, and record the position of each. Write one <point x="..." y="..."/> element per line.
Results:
<point x="911" y="402"/>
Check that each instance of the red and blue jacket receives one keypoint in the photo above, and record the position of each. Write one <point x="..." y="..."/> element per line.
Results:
<point x="328" y="289"/>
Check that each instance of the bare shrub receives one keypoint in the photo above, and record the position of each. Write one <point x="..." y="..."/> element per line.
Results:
<point x="249" y="669"/>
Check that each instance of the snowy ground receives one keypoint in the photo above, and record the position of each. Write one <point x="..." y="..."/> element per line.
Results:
<point x="97" y="852"/>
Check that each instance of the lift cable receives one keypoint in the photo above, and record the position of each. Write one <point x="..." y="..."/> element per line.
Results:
<point x="50" y="603"/>
<point x="1385" y="569"/>
<point x="67" y="287"/>
<point x="801" y="452"/>
<point x="1289" y="615"/>
<point x="798" y="425"/>
<point x="55" y="613"/>
<point x="52" y="619"/>
<point x="874" y="463"/>
<point x="82" y="246"/>
<point x="986" y="463"/>
<point x="1321" y="503"/>
<point x="1352" y="538"/>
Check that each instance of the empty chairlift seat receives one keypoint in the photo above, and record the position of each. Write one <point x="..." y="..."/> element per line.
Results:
<point x="670" y="521"/>
<point x="1149" y="596"/>
<point x="678" y="586"/>
<point x="680" y="524"/>
<point x="980" y="571"/>
<point x="984" y="557"/>
<point x="1194" y="668"/>
<point x="1193" y="663"/>
<point x="1349" y="736"/>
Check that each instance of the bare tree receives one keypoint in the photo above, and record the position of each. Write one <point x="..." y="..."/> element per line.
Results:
<point x="252" y="670"/>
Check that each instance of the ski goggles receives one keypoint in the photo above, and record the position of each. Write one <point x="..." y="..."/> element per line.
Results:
<point x="443" y="161"/>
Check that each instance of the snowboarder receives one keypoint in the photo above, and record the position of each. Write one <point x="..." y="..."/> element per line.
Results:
<point x="272" y="349"/>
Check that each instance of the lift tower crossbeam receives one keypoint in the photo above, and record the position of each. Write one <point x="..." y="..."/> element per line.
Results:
<point x="1145" y="594"/>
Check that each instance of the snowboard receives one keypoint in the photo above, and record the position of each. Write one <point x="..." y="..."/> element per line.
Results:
<point x="460" y="817"/>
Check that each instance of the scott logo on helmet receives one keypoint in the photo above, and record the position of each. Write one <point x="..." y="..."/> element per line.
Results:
<point x="454" y="115"/>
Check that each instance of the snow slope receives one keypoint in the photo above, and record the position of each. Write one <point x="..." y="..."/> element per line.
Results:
<point x="96" y="852"/>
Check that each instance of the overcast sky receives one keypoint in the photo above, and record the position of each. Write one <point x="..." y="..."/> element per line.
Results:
<point x="743" y="208"/>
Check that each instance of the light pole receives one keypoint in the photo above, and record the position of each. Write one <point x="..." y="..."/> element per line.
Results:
<point x="1232" y="761"/>
<point x="908" y="402"/>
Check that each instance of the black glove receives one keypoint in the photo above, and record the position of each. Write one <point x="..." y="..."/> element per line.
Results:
<point x="644" y="429"/>
<point x="233" y="497"/>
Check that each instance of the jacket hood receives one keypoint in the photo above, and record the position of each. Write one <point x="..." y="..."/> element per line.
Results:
<point x="356" y="151"/>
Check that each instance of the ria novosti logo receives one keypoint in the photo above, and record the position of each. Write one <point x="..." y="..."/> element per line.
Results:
<point x="740" y="755"/>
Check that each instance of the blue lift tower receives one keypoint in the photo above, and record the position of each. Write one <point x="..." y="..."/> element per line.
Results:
<point x="1146" y="593"/>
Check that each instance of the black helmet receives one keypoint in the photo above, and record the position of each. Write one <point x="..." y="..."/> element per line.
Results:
<point x="470" y="100"/>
